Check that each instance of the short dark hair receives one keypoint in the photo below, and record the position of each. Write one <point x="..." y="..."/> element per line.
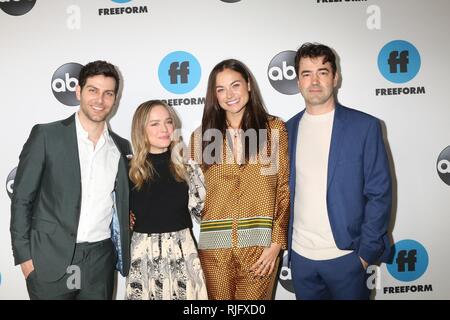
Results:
<point x="96" y="68"/>
<point x="314" y="50"/>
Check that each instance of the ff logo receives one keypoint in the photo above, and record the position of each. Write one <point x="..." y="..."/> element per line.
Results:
<point x="10" y="182"/>
<point x="399" y="61"/>
<point x="410" y="260"/>
<point x="443" y="165"/>
<point x="179" y="72"/>
<point x="282" y="74"/>
<point x="17" y="7"/>
<point x="64" y="83"/>
<point x="285" y="274"/>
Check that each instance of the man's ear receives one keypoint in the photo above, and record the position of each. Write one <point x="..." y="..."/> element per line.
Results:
<point x="78" y="92"/>
<point x="336" y="79"/>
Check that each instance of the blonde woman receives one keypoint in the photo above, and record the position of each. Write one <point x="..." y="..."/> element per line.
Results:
<point x="164" y="191"/>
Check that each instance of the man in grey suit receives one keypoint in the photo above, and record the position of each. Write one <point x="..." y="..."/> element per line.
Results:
<point x="69" y="211"/>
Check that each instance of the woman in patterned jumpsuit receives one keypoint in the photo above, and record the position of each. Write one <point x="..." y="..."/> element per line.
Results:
<point x="243" y="152"/>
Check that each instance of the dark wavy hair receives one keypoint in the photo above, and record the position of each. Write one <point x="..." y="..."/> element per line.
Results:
<point x="255" y="114"/>
<point x="96" y="68"/>
<point x="314" y="50"/>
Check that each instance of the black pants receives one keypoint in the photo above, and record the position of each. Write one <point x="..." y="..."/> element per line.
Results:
<point x="91" y="276"/>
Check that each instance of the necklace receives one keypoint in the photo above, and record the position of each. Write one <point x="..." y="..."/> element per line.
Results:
<point x="235" y="132"/>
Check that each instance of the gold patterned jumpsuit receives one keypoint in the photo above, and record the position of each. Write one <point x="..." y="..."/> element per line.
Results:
<point x="246" y="209"/>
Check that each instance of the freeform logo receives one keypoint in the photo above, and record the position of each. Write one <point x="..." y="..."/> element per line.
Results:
<point x="122" y="10"/>
<point x="399" y="62"/>
<point x="179" y="72"/>
<point x="285" y="274"/>
<point x="17" y="7"/>
<point x="410" y="260"/>
<point x="282" y="74"/>
<point x="409" y="263"/>
<point x="443" y="165"/>
<point x="64" y="83"/>
<point x="10" y="182"/>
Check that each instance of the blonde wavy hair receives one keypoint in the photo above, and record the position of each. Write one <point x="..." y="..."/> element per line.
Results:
<point x="141" y="168"/>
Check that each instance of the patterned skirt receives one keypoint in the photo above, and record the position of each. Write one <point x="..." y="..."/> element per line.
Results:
<point x="165" y="266"/>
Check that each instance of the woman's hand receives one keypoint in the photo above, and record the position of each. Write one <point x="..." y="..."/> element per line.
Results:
<point x="132" y="220"/>
<point x="266" y="262"/>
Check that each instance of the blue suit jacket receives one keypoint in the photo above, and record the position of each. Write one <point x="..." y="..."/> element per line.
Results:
<point x="359" y="192"/>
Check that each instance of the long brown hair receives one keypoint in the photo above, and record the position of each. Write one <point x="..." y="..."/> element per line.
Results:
<point x="255" y="114"/>
<point x="141" y="168"/>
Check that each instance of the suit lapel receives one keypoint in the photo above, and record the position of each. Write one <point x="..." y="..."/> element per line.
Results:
<point x="71" y="156"/>
<point x="120" y="215"/>
<point x="122" y="176"/>
<point x="336" y="141"/>
<point x="293" y="132"/>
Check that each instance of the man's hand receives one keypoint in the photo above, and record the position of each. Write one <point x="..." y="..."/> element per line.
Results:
<point x="27" y="267"/>
<point x="364" y="263"/>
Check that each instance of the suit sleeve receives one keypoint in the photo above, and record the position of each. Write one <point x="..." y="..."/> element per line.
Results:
<point x="281" y="215"/>
<point x="26" y="187"/>
<point x="378" y="192"/>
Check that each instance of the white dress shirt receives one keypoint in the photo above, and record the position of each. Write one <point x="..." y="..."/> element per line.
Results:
<point x="98" y="167"/>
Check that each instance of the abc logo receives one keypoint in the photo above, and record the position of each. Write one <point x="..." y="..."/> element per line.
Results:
<point x="179" y="72"/>
<point x="285" y="274"/>
<point x="10" y="182"/>
<point x="64" y="83"/>
<point x="410" y="260"/>
<point x="282" y="74"/>
<point x="443" y="165"/>
<point x="399" y="61"/>
<point x="17" y="7"/>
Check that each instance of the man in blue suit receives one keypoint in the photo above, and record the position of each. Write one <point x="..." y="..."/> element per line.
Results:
<point x="340" y="187"/>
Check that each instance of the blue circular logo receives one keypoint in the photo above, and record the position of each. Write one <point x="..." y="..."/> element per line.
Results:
<point x="399" y="61"/>
<point x="410" y="260"/>
<point x="179" y="72"/>
<point x="121" y="1"/>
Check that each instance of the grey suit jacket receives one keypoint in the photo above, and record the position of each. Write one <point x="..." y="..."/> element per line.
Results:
<point x="45" y="207"/>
